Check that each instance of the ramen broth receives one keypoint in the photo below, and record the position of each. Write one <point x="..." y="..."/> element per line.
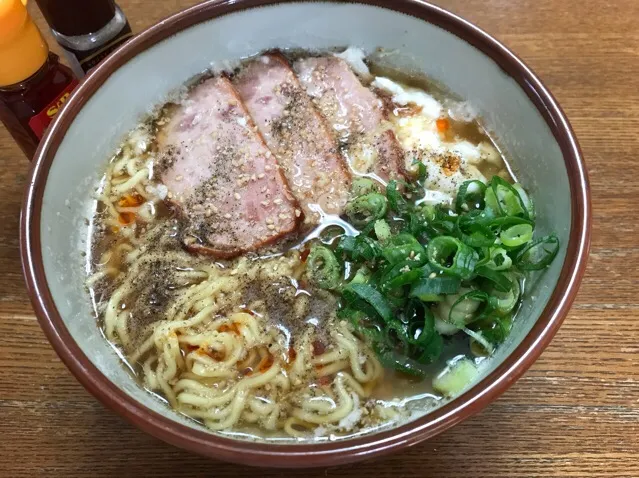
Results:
<point x="203" y="332"/>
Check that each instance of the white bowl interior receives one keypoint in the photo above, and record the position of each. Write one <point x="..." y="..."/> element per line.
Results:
<point x="131" y="91"/>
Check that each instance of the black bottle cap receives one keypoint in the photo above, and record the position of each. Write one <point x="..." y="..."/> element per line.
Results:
<point x="77" y="17"/>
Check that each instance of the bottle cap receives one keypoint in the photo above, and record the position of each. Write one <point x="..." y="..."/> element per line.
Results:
<point x="22" y="49"/>
<point x="77" y="17"/>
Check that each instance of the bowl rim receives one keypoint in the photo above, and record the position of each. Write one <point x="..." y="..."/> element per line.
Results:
<point x="340" y="451"/>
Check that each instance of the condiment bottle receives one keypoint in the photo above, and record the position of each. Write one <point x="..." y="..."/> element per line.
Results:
<point x="87" y="30"/>
<point x="33" y="84"/>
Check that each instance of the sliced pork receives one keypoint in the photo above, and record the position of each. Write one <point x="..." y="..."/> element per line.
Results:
<point x="357" y="115"/>
<point x="296" y="132"/>
<point x="221" y="177"/>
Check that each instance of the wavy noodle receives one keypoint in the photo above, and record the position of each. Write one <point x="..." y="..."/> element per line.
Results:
<point x="231" y="368"/>
<point x="211" y="359"/>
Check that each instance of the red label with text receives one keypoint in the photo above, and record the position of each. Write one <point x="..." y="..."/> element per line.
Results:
<point x="39" y="122"/>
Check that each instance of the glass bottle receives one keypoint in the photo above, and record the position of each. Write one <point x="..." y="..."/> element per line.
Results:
<point x="87" y="30"/>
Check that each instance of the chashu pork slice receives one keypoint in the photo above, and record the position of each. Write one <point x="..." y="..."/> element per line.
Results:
<point x="221" y="177"/>
<point x="297" y="133"/>
<point x="357" y="115"/>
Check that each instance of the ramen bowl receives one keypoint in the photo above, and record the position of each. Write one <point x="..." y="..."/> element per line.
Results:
<point x="415" y="36"/>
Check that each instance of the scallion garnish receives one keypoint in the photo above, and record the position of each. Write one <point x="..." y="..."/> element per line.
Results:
<point x="415" y="272"/>
<point x="324" y="270"/>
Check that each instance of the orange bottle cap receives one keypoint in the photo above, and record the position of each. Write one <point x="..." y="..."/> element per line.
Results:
<point x="22" y="49"/>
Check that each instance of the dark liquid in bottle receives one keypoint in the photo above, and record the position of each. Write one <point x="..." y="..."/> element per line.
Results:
<point x="28" y="107"/>
<point x="89" y="30"/>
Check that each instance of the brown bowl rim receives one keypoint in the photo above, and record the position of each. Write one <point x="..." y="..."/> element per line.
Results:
<point x="340" y="451"/>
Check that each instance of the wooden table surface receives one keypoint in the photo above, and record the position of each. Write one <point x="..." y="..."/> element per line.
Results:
<point x="574" y="413"/>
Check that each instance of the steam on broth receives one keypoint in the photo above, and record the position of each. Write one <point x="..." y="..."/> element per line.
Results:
<point x="278" y="254"/>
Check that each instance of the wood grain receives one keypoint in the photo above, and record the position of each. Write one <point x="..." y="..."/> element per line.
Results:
<point x="574" y="414"/>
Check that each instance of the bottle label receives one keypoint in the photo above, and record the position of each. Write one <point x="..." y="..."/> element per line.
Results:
<point x="40" y="121"/>
<point x="90" y="58"/>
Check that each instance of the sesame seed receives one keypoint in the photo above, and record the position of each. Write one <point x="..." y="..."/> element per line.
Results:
<point x="269" y="220"/>
<point x="432" y="275"/>
<point x="277" y="201"/>
<point x="265" y="203"/>
<point x="271" y="226"/>
<point x="227" y="216"/>
<point x="298" y="213"/>
<point x="267" y="168"/>
<point x="284" y="216"/>
<point x="179" y="178"/>
<point x="237" y="196"/>
<point x="260" y="176"/>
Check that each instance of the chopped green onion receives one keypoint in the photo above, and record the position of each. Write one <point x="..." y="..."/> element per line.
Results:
<point x="499" y="260"/>
<point x="416" y="333"/>
<point x="426" y="213"/>
<point x="404" y="247"/>
<point x="457" y="375"/>
<point x="505" y="301"/>
<point x="399" y="275"/>
<point x="492" y="207"/>
<point x="474" y="232"/>
<point x="505" y="199"/>
<point x="499" y="280"/>
<point x="463" y="262"/>
<point x="527" y="200"/>
<point x="422" y="173"/>
<point x="501" y="223"/>
<point x="452" y="256"/>
<point x="396" y="201"/>
<point x="427" y="343"/>
<point x="479" y="338"/>
<point x="430" y="288"/>
<point x="493" y="331"/>
<point x="444" y="328"/>
<point x="323" y="269"/>
<point x="470" y="196"/>
<point x="391" y="359"/>
<point x="358" y="248"/>
<point x="538" y="254"/>
<point x="362" y="186"/>
<point x="362" y="276"/>
<point x="465" y="307"/>
<point x="517" y="235"/>
<point x="370" y="295"/>
<point x="364" y="209"/>
<point x="382" y="230"/>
